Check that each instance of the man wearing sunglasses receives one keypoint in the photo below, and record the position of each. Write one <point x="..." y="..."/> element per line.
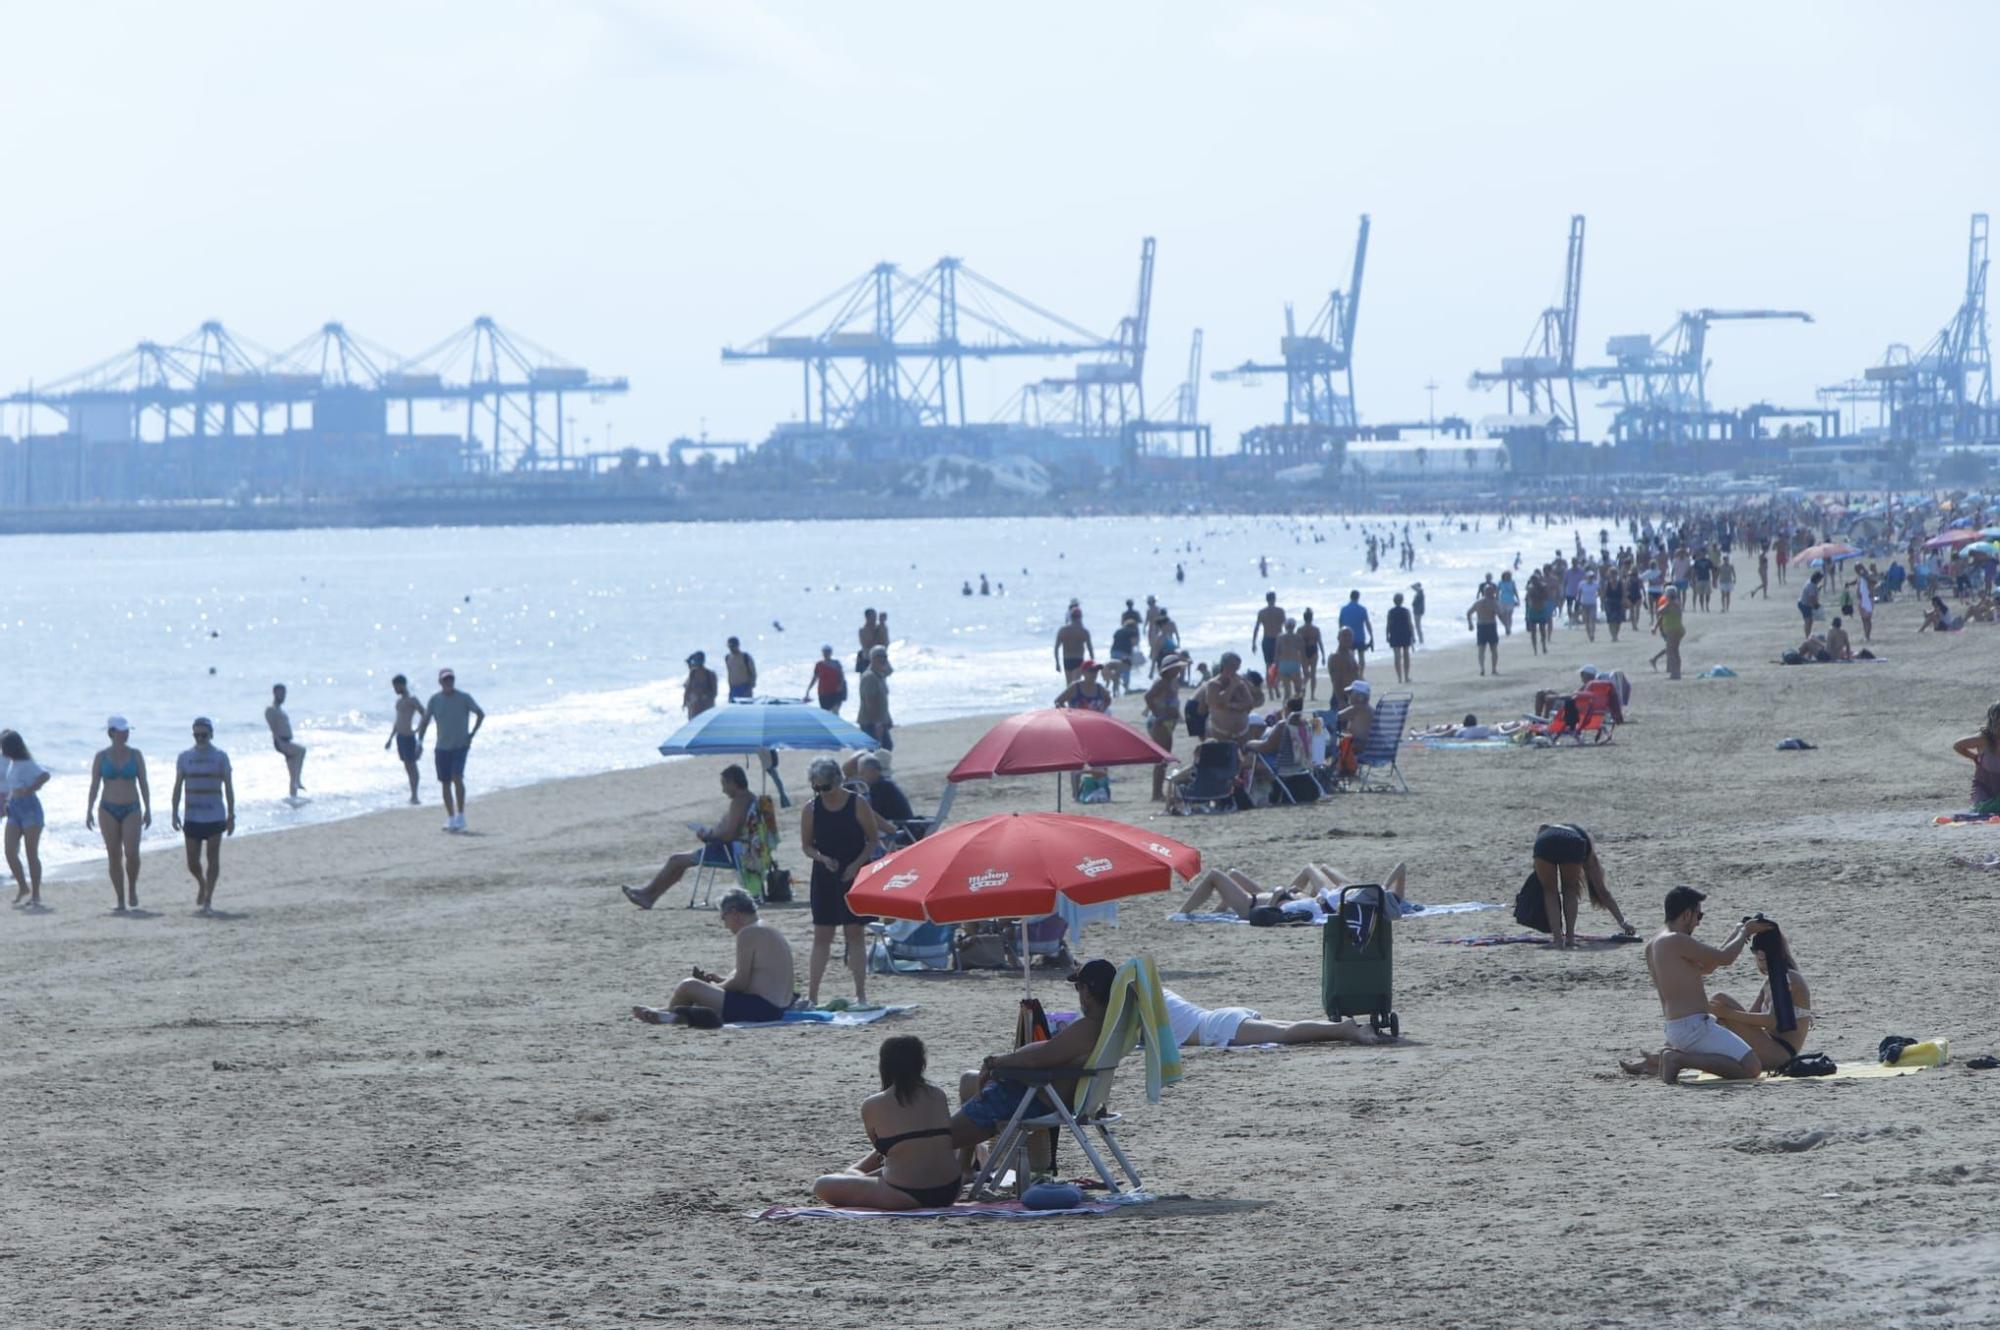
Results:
<point x="1679" y="966"/>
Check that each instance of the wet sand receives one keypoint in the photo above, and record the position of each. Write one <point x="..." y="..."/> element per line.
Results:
<point x="397" y="1084"/>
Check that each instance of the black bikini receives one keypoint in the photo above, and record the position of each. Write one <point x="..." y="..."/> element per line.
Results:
<point x="944" y="1193"/>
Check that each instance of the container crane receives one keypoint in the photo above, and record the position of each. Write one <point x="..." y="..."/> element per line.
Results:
<point x="1663" y="381"/>
<point x="1313" y="362"/>
<point x="1541" y="381"/>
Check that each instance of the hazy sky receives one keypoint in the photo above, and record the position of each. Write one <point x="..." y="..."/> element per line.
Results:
<point x="637" y="184"/>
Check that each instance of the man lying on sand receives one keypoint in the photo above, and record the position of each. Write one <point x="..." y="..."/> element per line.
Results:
<point x="1224" y="1027"/>
<point x="760" y="988"/>
<point x="1679" y="964"/>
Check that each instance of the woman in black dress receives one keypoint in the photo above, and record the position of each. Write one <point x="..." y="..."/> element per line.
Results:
<point x="1402" y="636"/>
<point x="836" y="830"/>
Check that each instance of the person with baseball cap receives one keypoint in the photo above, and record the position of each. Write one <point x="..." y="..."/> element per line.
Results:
<point x="202" y="773"/>
<point x="451" y="710"/>
<point x="987" y="1099"/>
<point x="118" y="775"/>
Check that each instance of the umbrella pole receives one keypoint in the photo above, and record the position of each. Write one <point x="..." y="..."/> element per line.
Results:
<point x="1059" y="791"/>
<point x="1027" y="981"/>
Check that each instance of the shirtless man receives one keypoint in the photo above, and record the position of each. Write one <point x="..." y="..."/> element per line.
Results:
<point x="403" y="732"/>
<point x="714" y="841"/>
<point x="1229" y="697"/>
<point x="1486" y="610"/>
<point x="870" y="636"/>
<point x="1312" y="647"/>
<point x="293" y="752"/>
<point x="987" y="1099"/>
<point x="1343" y="667"/>
<point x="698" y="693"/>
<point x="760" y="988"/>
<point x="1838" y="644"/>
<point x="1270" y="622"/>
<point x="1073" y="647"/>
<point x="1679" y="964"/>
<point x="1288" y="659"/>
<point x="741" y="667"/>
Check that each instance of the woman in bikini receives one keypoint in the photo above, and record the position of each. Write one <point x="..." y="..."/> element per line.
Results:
<point x="1163" y="713"/>
<point x="913" y="1165"/>
<point x="1983" y="751"/>
<point x="118" y="775"/>
<point x="1240" y="894"/>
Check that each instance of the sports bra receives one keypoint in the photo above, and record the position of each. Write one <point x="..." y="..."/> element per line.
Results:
<point x="129" y="771"/>
<point x="883" y="1145"/>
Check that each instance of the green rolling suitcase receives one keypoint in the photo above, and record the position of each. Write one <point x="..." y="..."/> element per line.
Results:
<point x="1357" y="960"/>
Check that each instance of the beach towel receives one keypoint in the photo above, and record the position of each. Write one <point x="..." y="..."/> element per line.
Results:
<point x="1849" y="1071"/>
<point x="1967" y="819"/>
<point x="1508" y="939"/>
<point x="1138" y="981"/>
<point x="1096" y="1205"/>
<point x="1410" y="911"/>
<point x="1494" y="745"/>
<point x="865" y="1016"/>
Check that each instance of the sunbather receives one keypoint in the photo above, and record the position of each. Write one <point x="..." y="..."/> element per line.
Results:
<point x="910" y="1127"/>
<point x="1240" y="894"/>
<point x="987" y="1099"/>
<point x="1471" y="728"/>
<point x="1566" y="864"/>
<point x="1224" y="1027"/>
<point x="760" y="988"/>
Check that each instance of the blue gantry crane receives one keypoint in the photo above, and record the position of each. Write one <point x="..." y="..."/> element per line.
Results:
<point x="1318" y="368"/>
<point x="1663" y="381"/>
<point x="1541" y="381"/>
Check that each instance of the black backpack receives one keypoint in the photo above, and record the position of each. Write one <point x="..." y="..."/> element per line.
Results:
<point x="778" y="885"/>
<point x="1531" y="907"/>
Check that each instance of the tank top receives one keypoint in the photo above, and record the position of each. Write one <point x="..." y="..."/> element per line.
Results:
<point x="837" y="832"/>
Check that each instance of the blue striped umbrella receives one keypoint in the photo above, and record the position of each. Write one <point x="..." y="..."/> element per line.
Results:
<point x="750" y="727"/>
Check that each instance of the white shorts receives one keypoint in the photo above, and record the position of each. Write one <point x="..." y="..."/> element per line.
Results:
<point x="1704" y="1034"/>
<point x="1217" y="1029"/>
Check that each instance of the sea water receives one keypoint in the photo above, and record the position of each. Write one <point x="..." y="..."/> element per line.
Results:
<point x="573" y="638"/>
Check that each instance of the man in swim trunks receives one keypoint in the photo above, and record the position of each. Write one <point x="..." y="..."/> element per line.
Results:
<point x="1073" y="646"/>
<point x="403" y="732"/>
<point x="1291" y="669"/>
<point x="742" y="669"/>
<point x="760" y="988"/>
<point x="1312" y="648"/>
<point x="987" y="1099"/>
<point x="453" y="713"/>
<point x="203" y="773"/>
<point x="1679" y="964"/>
<point x="290" y="749"/>
<point x="1486" y="611"/>
<point x="1270" y="622"/>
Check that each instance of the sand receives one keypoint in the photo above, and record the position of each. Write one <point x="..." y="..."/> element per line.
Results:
<point x="397" y="1084"/>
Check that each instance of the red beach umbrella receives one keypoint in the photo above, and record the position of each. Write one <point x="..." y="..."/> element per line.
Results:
<point x="1056" y="739"/>
<point x="1014" y="865"/>
<point x="1831" y="551"/>
<point x="1950" y="538"/>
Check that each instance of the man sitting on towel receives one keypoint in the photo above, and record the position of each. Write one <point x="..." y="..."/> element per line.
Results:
<point x="1679" y="965"/>
<point x="760" y="988"/>
<point x="987" y="1099"/>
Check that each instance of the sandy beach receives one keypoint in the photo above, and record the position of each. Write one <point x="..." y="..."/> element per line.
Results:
<point x="397" y="1083"/>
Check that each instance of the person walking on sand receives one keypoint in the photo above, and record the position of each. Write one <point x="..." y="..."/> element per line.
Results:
<point x="289" y="748"/>
<point x="1763" y="587"/>
<point x="836" y="831"/>
<point x="118" y="774"/>
<point x="1354" y="618"/>
<point x="1402" y="636"/>
<point x="1484" y="618"/>
<point x="458" y="719"/>
<point x="742" y="669"/>
<point x="1312" y="650"/>
<point x="1417" y="608"/>
<point x="202" y="773"/>
<point x="23" y="792"/>
<point x="403" y="732"/>
<point x="1672" y="629"/>
<point x="1679" y="965"/>
<point x="1264" y="629"/>
<point x="829" y="681"/>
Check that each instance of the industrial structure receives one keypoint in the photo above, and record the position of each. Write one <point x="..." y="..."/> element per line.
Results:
<point x="882" y="369"/>
<point x="1663" y="382"/>
<point x="1541" y="381"/>
<point x="213" y="416"/>
<point x="1318" y="368"/>
<point x="1942" y="395"/>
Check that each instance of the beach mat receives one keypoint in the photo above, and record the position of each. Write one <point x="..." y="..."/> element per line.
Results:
<point x="1852" y="1071"/>
<point x="866" y="1016"/>
<point x="1422" y="912"/>
<point x="1966" y="820"/>
<point x="1491" y="745"/>
<point x="1102" y="1205"/>
<point x="1512" y="939"/>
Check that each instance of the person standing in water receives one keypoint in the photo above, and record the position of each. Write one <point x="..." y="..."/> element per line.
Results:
<point x="118" y="773"/>
<point x="742" y="669"/>
<point x="202" y="773"/>
<point x="1072" y="647"/>
<point x="288" y="748"/>
<point x="698" y="692"/>
<point x="450" y="710"/>
<point x="1312" y="649"/>
<point x="403" y="732"/>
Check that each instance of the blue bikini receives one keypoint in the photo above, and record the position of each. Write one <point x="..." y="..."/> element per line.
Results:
<point x="128" y="770"/>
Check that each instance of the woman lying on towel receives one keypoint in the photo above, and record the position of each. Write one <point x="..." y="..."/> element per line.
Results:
<point x="1314" y="893"/>
<point x="1242" y="1026"/>
<point x="909" y="1124"/>
<point x="1471" y="729"/>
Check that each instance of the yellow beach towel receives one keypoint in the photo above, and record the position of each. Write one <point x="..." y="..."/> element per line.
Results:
<point x="1138" y="982"/>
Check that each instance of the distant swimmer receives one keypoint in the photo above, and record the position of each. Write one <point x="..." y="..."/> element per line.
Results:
<point x="1263" y="566"/>
<point x="874" y="633"/>
<point x="984" y="588"/>
<point x="1180" y="573"/>
<point x="403" y="732"/>
<point x="742" y="669"/>
<point x="202" y="773"/>
<point x="966" y="589"/>
<point x="290" y="749"/>
<point x="451" y="710"/>
<point x="698" y="693"/>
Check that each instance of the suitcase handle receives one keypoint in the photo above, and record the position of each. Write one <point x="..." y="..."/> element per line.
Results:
<point x="1381" y="909"/>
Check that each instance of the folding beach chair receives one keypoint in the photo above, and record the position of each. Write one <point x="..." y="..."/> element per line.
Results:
<point x="715" y="861"/>
<point x="1047" y="940"/>
<point x="1591" y="719"/>
<point x="1375" y="768"/>
<point x="1293" y="779"/>
<point x="1217" y="763"/>
<point x="1042" y="1109"/>
<point x="902" y="946"/>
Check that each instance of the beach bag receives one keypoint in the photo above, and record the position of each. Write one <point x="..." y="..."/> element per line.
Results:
<point x="1809" y="1064"/>
<point x="1531" y="907"/>
<point x="1197" y="719"/>
<point x="983" y="946"/>
<point x="1272" y="916"/>
<point x="1301" y="786"/>
<point x="778" y="886"/>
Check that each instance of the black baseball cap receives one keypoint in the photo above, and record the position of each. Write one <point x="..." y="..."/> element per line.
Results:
<point x="1095" y="975"/>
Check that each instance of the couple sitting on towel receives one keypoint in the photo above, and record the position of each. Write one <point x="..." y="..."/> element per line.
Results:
<point x="1312" y="895"/>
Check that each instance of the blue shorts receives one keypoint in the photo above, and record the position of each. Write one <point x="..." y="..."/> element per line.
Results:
<point x="739" y="692"/>
<point x="25" y="811"/>
<point x="406" y="747"/>
<point x="743" y="1008"/>
<point x="450" y="763"/>
<point x="991" y="1108"/>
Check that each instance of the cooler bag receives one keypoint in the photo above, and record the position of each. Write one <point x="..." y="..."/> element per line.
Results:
<point x="1357" y="960"/>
